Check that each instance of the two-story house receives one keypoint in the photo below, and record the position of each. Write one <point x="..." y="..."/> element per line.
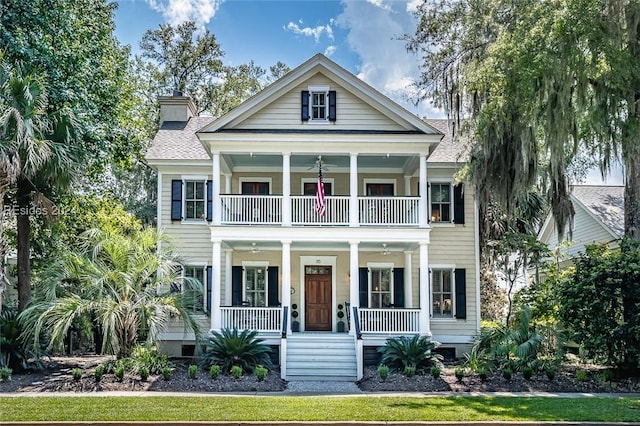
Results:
<point x="389" y="249"/>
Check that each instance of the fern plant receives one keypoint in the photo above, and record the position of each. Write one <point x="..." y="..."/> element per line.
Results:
<point x="401" y="352"/>
<point x="230" y="347"/>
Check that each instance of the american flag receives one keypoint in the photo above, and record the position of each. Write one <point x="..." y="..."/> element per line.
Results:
<point x="321" y="203"/>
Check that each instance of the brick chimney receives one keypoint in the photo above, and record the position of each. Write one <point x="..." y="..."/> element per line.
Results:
<point x="176" y="107"/>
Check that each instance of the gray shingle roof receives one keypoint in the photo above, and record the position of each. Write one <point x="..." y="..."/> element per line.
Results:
<point x="606" y="203"/>
<point x="448" y="150"/>
<point x="177" y="140"/>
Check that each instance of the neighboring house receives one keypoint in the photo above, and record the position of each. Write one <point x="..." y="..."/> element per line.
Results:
<point x="599" y="218"/>
<point x="395" y="253"/>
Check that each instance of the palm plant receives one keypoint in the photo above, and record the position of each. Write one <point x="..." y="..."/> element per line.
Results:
<point x="120" y="283"/>
<point x="417" y="351"/>
<point x="229" y="348"/>
<point x="34" y="154"/>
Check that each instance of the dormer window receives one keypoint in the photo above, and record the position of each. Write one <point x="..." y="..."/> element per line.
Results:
<point x="318" y="104"/>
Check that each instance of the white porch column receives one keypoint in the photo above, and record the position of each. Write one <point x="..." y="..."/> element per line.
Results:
<point x="408" y="279"/>
<point x="407" y="186"/>
<point x="227" y="183"/>
<point x="424" y="195"/>
<point x="216" y="322"/>
<point x="354" y="219"/>
<point x="425" y="297"/>
<point x="228" y="266"/>
<point x="354" y="281"/>
<point x="286" y="189"/>
<point x="217" y="213"/>
<point x="286" y="279"/>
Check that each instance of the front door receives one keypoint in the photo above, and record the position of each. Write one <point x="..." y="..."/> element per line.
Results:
<point x="317" y="290"/>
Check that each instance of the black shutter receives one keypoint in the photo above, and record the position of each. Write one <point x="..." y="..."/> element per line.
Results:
<point x="364" y="287"/>
<point x="461" y="294"/>
<point x="272" y="286"/>
<point x="208" y="292"/>
<point x="176" y="200"/>
<point x="458" y="204"/>
<point x="209" y="200"/>
<point x="398" y="287"/>
<point x="332" y="105"/>
<point x="236" y="286"/>
<point x="304" y="101"/>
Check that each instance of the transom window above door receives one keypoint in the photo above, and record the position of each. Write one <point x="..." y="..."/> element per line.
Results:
<point x="255" y="188"/>
<point x="380" y="189"/>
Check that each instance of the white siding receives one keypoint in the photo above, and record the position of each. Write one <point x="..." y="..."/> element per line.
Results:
<point x="284" y="112"/>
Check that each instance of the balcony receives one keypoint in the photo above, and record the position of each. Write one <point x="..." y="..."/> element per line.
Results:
<point x="267" y="210"/>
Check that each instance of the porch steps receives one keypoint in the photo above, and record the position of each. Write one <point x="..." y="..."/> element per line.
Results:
<point x="321" y="356"/>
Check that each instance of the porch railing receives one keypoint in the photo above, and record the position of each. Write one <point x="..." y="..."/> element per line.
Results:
<point x="303" y="208"/>
<point x="396" y="320"/>
<point x="389" y="210"/>
<point x="251" y="209"/>
<point x="267" y="210"/>
<point x="251" y="318"/>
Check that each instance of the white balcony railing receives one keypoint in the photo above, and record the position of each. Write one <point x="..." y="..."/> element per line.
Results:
<point x="392" y="320"/>
<point x="251" y="209"/>
<point x="251" y="318"/>
<point x="267" y="210"/>
<point x="389" y="210"/>
<point x="303" y="208"/>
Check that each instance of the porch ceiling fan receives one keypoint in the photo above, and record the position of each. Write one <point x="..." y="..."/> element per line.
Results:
<point x="254" y="249"/>
<point x="319" y="162"/>
<point x="385" y="250"/>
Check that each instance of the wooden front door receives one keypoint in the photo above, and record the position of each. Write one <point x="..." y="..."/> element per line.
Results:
<point x="317" y="289"/>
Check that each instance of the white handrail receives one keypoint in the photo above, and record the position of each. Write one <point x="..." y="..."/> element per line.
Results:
<point x="251" y="318"/>
<point x="303" y="208"/>
<point x="388" y="210"/>
<point x="251" y="209"/>
<point x="389" y="320"/>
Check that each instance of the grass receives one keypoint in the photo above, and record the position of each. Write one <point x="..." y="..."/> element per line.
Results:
<point x="272" y="408"/>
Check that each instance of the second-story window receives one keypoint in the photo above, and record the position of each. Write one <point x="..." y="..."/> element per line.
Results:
<point x="441" y="202"/>
<point x="194" y="200"/>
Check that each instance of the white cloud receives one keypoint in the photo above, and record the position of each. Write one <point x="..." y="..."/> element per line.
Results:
<point x="412" y="5"/>
<point x="330" y="50"/>
<point x="374" y="34"/>
<point x="176" y="12"/>
<point x="315" y="32"/>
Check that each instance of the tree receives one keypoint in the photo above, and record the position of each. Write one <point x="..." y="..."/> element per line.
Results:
<point x="600" y="304"/>
<point x="34" y="153"/>
<point x="122" y="285"/>
<point x="67" y="47"/>
<point x="530" y="83"/>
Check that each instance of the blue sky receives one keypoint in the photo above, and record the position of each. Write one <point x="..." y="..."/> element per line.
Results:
<point x="362" y="36"/>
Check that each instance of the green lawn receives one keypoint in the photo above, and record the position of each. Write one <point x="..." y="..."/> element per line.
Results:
<point x="271" y="408"/>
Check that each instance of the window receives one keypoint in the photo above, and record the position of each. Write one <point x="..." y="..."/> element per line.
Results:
<point x="255" y="285"/>
<point x="442" y="293"/>
<point x="381" y="289"/>
<point x="193" y="289"/>
<point x="318" y="105"/>
<point x="194" y="200"/>
<point x="441" y="202"/>
<point x="309" y="188"/>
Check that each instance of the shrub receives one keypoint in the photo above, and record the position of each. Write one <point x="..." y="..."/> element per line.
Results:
<point x="14" y="352"/>
<point x="482" y="374"/>
<point x="144" y="373"/>
<point x="417" y="351"/>
<point x="150" y="358"/>
<point x="214" y="371"/>
<point x="118" y="371"/>
<point x="435" y="372"/>
<point x="76" y="373"/>
<point x="167" y="373"/>
<point x="236" y="371"/>
<point x="527" y="372"/>
<point x="550" y="372"/>
<point x="261" y="373"/>
<point x="507" y="373"/>
<point x="98" y="373"/>
<point x="5" y="374"/>
<point x="459" y="373"/>
<point x="581" y="375"/>
<point x="605" y="376"/>
<point x="229" y="347"/>
<point x="193" y="370"/>
<point x="409" y="371"/>
<point x="383" y="372"/>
